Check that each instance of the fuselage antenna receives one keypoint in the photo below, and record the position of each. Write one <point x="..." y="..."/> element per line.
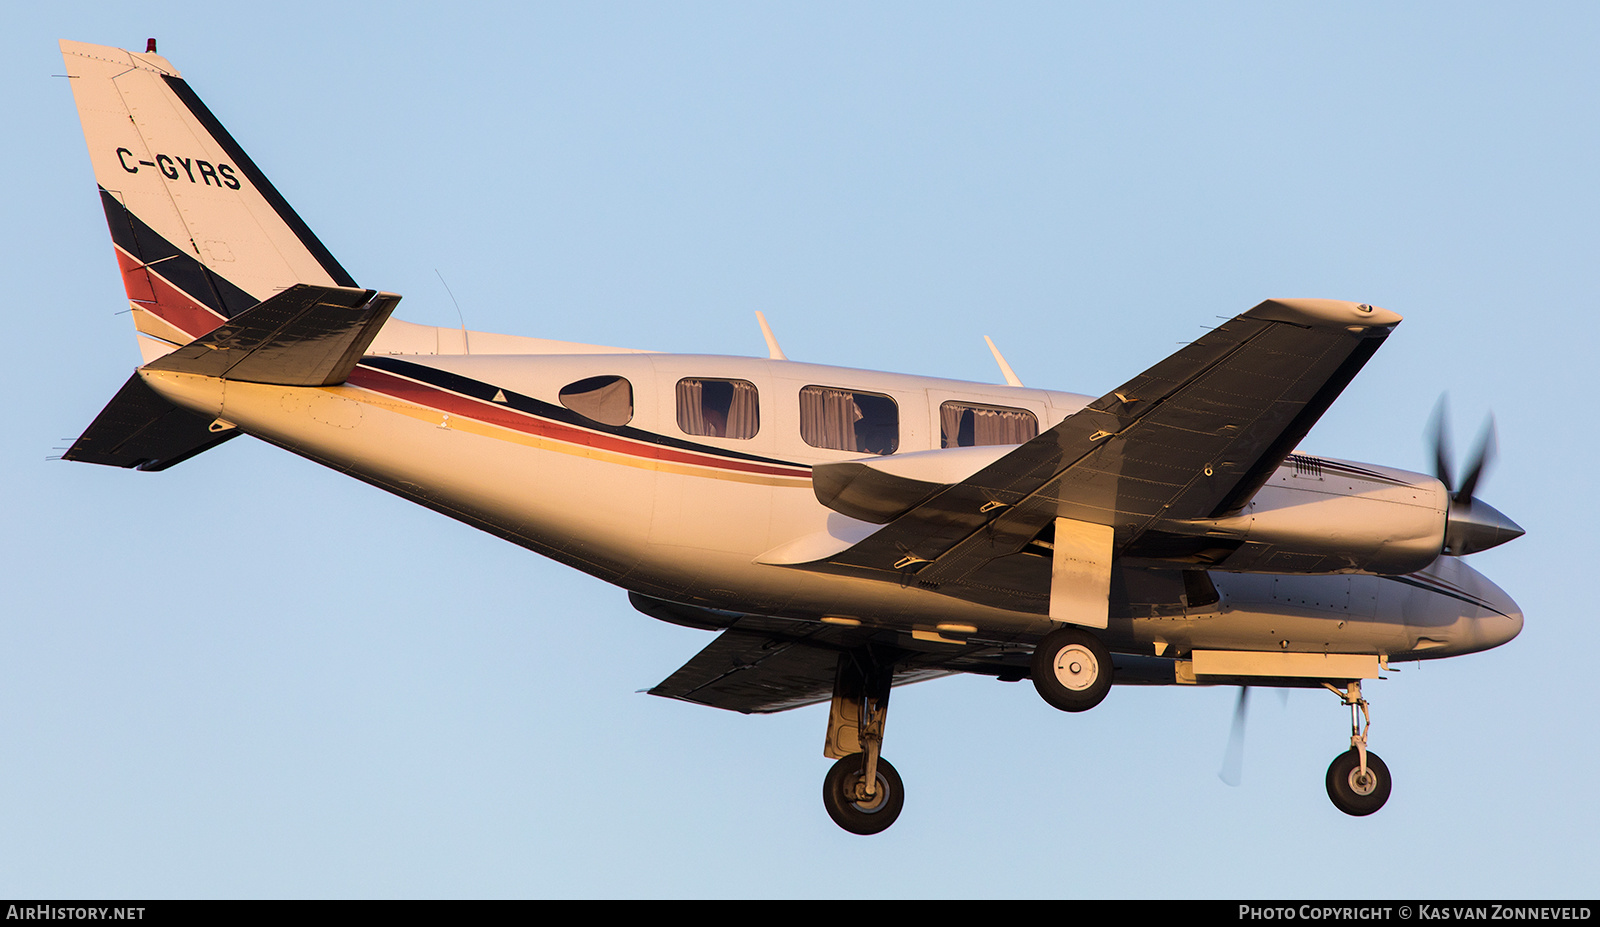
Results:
<point x="1005" y="368"/>
<point x="465" y="347"/>
<point x="773" y="351"/>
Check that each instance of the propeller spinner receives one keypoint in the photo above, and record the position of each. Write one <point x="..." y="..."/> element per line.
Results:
<point x="1472" y="524"/>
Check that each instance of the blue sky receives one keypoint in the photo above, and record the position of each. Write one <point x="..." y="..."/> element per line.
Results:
<point x="248" y="676"/>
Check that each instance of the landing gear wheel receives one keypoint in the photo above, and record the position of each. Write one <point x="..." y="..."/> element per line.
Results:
<point x="1072" y="669"/>
<point x="1354" y="793"/>
<point x="848" y="804"/>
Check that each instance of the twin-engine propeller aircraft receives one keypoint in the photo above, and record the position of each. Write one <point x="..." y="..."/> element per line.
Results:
<point x="845" y="531"/>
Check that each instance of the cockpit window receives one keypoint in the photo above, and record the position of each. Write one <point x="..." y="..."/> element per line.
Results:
<point x="846" y="420"/>
<point x="607" y="400"/>
<point x="718" y="408"/>
<point x="966" y="424"/>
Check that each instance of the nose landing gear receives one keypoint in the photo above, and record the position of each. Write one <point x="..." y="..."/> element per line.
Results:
<point x="1358" y="781"/>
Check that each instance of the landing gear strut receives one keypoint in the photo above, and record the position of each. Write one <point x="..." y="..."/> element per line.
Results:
<point x="1358" y="781"/>
<point x="862" y="792"/>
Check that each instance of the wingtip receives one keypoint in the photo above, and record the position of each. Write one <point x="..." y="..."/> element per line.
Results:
<point x="1325" y="313"/>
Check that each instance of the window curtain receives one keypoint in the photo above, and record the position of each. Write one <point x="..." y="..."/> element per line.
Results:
<point x="990" y="426"/>
<point x="1003" y="426"/>
<point x="828" y="418"/>
<point x="613" y="403"/>
<point x="608" y="400"/>
<point x="700" y="414"/>
<point x="691" y="414"/>
<point x="950" y="424"/>
<point x="744" y="416"/>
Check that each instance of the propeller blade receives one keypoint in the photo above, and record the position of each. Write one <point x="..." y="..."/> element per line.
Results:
<point x="1440" y="430"/>
<point x="1487" y="445"/>
<point x="1232" y="771"/>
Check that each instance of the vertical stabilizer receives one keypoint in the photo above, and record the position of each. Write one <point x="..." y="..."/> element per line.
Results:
<point x="200" y="233"/>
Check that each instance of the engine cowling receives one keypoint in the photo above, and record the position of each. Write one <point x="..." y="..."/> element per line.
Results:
<point x="1331" y="516"/>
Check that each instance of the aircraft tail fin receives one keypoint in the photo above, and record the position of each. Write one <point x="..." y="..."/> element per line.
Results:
<point x="304" y="336"/>
<point x="200" y="233"/>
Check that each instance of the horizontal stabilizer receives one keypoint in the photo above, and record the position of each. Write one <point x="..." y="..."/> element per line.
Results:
<point x="305" y="336"/>
<point x="139" y="429"/>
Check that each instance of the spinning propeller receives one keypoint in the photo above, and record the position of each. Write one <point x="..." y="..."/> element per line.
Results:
<point x="1232" y="770"/>
<point x="1233" y="761"/>
<point x="1471" y="524"/>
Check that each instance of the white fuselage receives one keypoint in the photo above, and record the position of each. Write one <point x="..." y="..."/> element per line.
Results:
<point x="691" y="517"/>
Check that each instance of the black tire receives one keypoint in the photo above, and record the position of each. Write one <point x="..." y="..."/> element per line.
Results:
<point x="864" y="818"/>
<point x="1072" y="669"/>
<point x="1346" y="788"/>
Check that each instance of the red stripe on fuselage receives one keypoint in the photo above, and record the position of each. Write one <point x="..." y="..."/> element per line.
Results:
<point x="172" y="305"/>
<point x="422" y="394"/>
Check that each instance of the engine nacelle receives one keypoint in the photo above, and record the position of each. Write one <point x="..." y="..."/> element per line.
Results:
<point x="1331" y="516"/>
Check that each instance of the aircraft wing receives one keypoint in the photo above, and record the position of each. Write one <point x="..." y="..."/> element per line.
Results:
<point x="760" y="665"/>
<point x="1193" y="437"/>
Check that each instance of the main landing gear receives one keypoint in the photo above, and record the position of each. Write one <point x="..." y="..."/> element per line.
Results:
<point x="862" y="792"/>
<point x="1072" y="669"/>
<point x="857" y="808"/>
<point x="1358" y="781"/>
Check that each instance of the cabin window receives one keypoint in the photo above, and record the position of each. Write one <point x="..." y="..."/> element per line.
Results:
<point x="718" y="408"/>
<point x="965" y="424"/>
<point x="607" y="400"/>
<point x="845" y="420"/>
